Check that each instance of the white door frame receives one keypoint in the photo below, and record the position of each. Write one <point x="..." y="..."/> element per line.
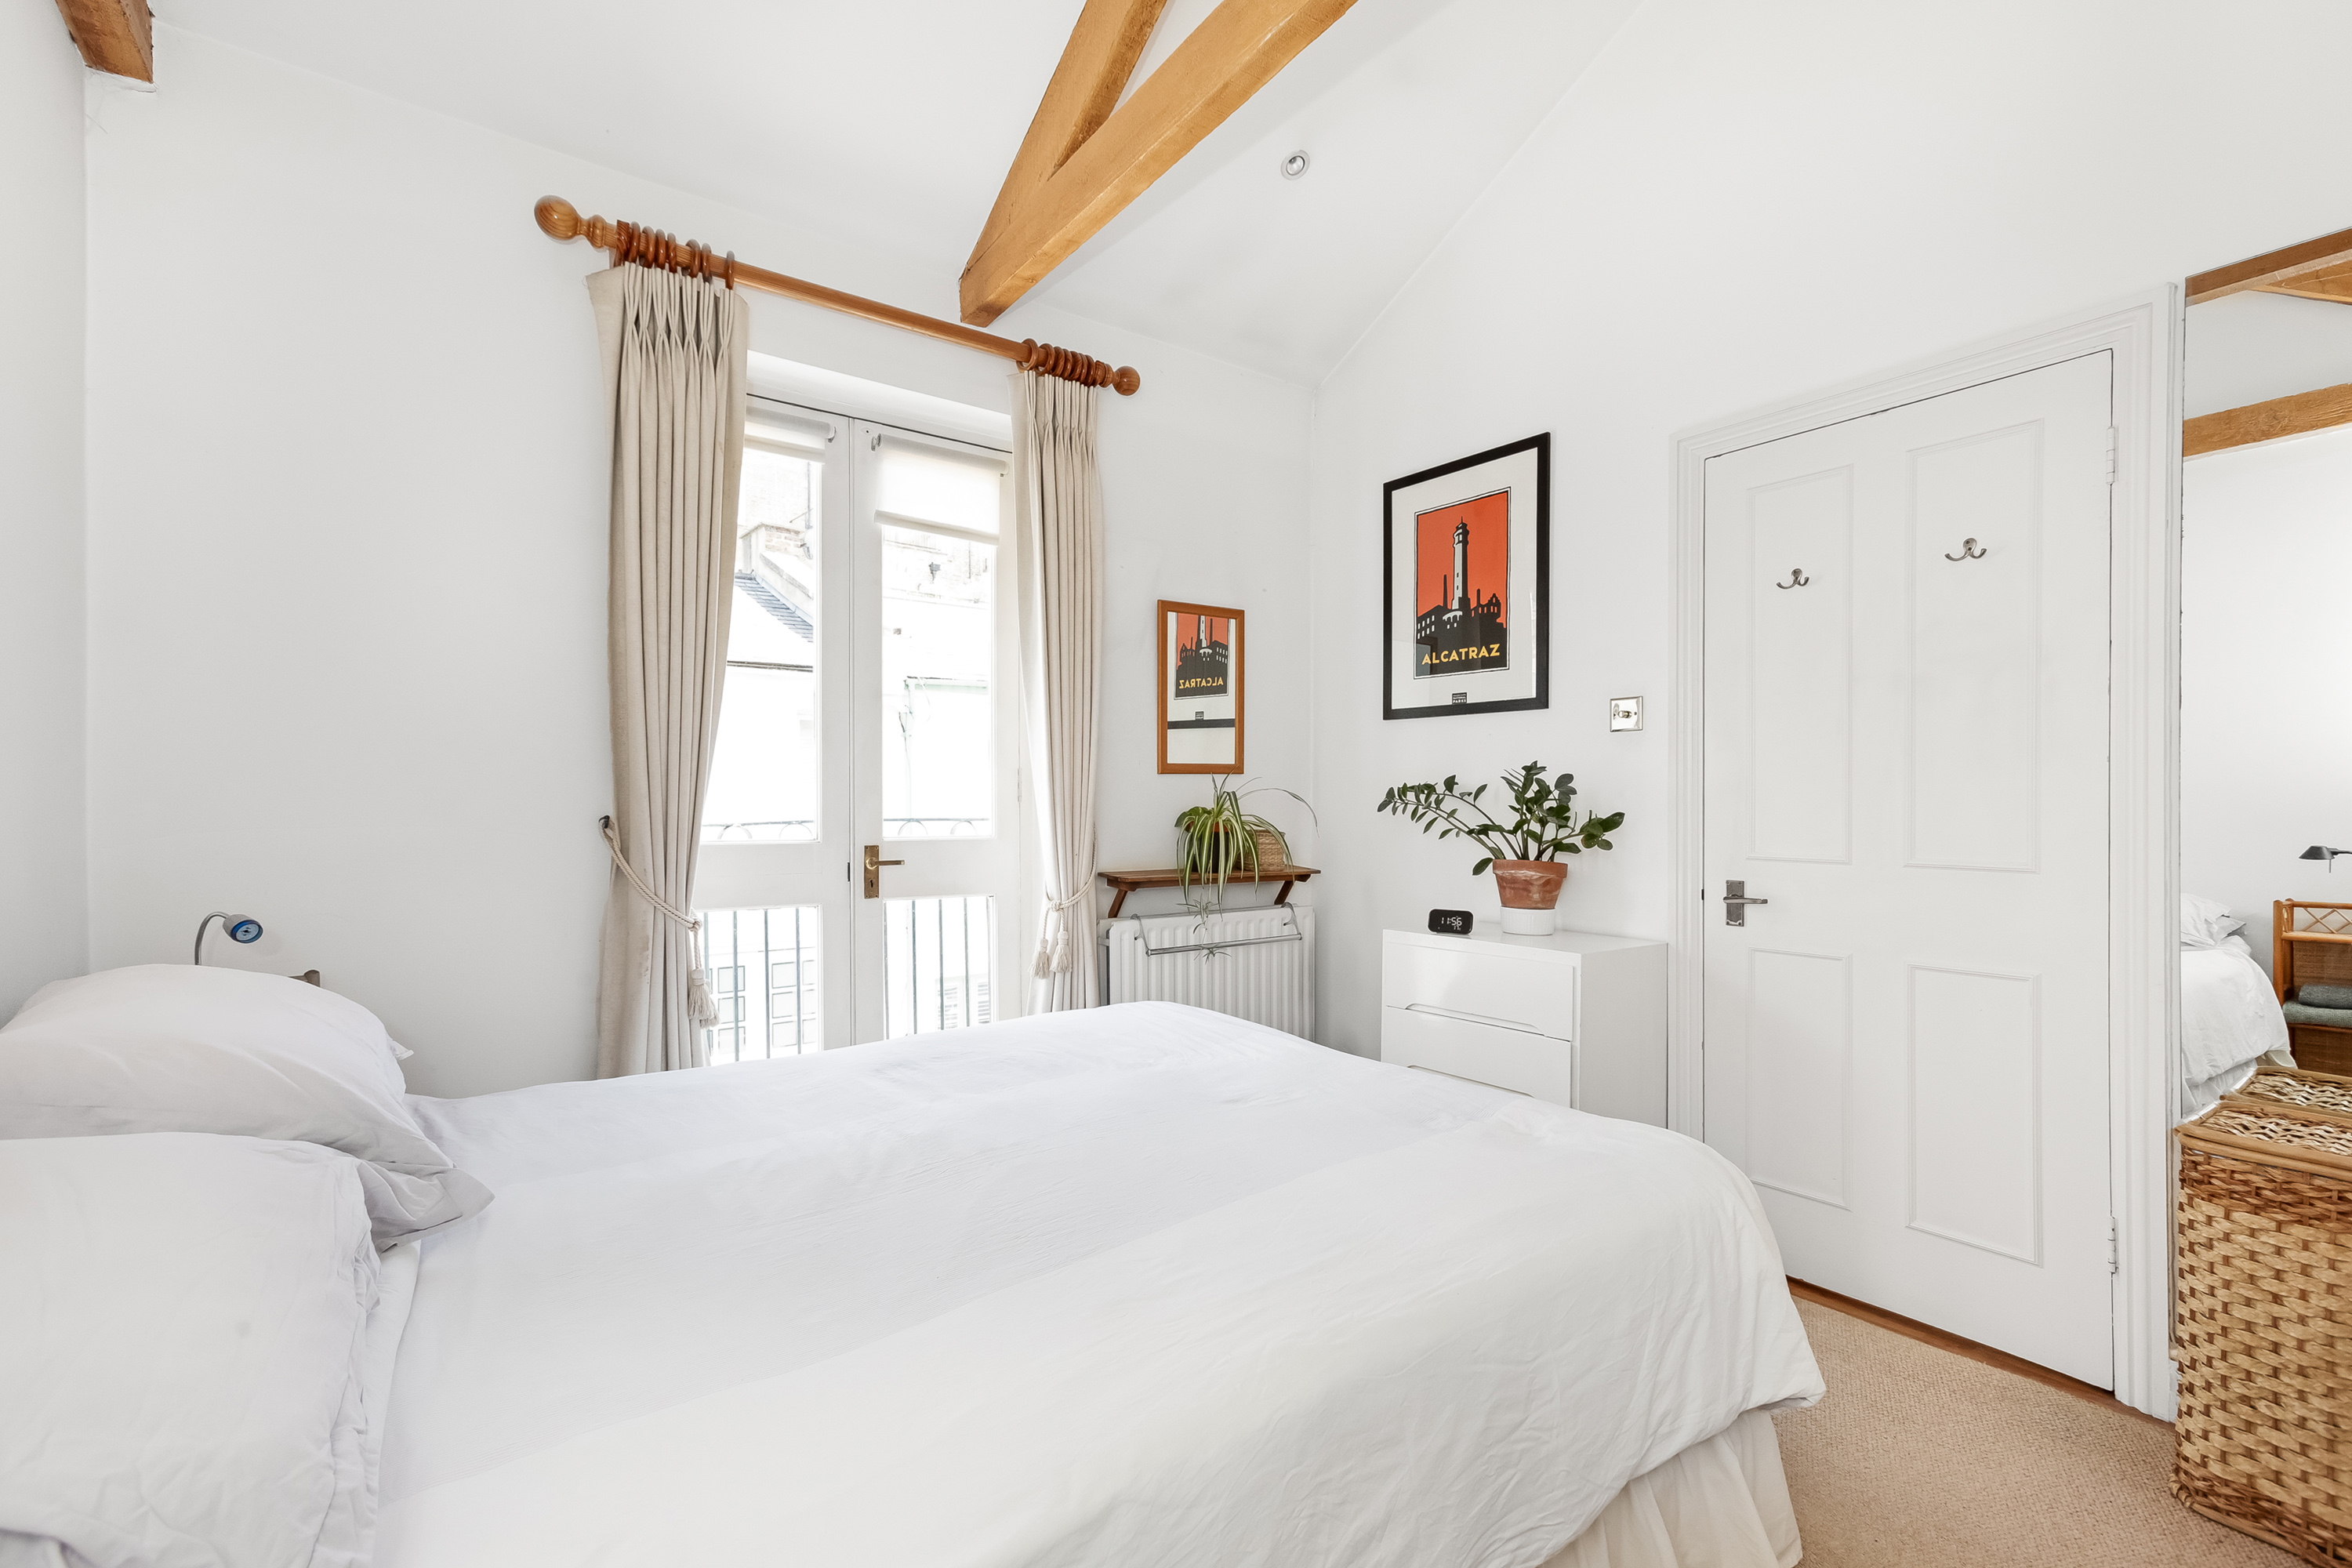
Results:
<point x="2144" y="764"/>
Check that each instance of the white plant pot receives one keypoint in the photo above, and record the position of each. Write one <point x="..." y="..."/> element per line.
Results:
<point x="1526" y="922"/>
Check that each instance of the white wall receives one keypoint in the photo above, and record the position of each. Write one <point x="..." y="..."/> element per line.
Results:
<point x="1737" y="204"/>
<point x="2265" y="668"/>
<point x="2252" y="347"/>
<point x="43" y="916"/>
<point x="348" y="509"/>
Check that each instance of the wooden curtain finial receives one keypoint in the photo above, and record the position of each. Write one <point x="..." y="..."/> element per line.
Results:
<point x="1068" y="364"/>
<point x="558" y="219"/>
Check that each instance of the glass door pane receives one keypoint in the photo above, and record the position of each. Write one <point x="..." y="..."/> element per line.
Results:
<point x="765" y="770"/>
<point x="771" y="887"/>
<point x="938" y="658"/>
<point x="936" y="963"/>
<point x="936" y="765"/>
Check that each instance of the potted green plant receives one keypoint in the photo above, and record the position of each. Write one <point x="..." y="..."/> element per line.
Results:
<point x="1224" y="839"/>
<point x="1523" y="851"/>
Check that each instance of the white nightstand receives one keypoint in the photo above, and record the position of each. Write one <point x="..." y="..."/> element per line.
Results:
<point x="1571" y="1017"/>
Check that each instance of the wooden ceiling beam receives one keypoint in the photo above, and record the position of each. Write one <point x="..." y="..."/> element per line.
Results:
<point x="2331" y="281"/>
<point x="113" y="36"/>
<point x="2275" y="267"/>
<point x="2297" y="415"/>
<point x="1108" y="40"/>
<point x="1236" y="50"/>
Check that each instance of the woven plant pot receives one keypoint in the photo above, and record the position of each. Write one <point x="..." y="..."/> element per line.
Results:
<point x="1273" y="855"/>
<point x="1272" y="858"/>
<point x="2263" y="1316"/>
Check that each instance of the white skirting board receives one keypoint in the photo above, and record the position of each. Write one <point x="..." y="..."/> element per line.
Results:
<point x="1258" y="964"/>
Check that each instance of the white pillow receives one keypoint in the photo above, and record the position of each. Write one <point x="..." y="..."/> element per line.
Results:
<point x="171" y="1047"/>
<point x="2205" y="923"/>
<point x="184" y="1341"/>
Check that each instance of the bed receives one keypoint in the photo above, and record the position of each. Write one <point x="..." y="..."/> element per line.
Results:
<point x="1142" y="1285"/>
<point x="2230" y="1015"/>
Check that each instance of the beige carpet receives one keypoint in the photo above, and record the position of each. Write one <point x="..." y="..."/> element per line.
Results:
<point x="1922" y="1459"/>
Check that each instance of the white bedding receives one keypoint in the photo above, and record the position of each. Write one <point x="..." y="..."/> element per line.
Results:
<point x="1140" y="1286"/>
<point x="196" y="1340"/>
<point x="2230" y="1017"/>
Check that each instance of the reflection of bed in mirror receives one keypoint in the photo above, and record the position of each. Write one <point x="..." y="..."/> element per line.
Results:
<point x="2230" y="1021"/>
<point x="2311" y="964"/>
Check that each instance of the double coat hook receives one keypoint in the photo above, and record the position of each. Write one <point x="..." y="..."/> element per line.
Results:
<point x="1968" y="552"/>
<point x="1797" y="578"/>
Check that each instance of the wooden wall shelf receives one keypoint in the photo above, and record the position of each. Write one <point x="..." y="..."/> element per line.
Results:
<point x="1126" y="882"/>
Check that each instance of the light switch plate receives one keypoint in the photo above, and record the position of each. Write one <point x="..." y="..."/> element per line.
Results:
<point x="1624" y="713"/>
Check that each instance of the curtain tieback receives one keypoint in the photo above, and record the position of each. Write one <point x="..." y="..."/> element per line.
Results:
<point x="612" y="843"/>
<point x="699" y="1003"/>
<point x="1054" y="946"/>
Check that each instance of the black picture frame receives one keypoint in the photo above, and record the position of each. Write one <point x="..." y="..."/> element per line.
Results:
<point x="1541" y="445"/>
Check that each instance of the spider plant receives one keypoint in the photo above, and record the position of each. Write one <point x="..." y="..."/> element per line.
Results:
<point x="1220" y="839"/>
<point x="1542" y="824"/>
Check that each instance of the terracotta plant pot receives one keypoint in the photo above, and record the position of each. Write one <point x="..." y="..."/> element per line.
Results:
<point x="1530" y="890"/>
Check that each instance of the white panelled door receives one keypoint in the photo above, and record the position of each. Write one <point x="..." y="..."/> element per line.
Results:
<point x="861" y="832"/>
<point x="1907" y="759"/>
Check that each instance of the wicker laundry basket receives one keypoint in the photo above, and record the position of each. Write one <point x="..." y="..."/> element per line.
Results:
<point x="2323" y="1094"/>
<point x="2263" y="1321"/>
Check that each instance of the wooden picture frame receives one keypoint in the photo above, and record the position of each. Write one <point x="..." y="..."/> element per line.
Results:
<point x="1198" y="701"/>
<point x="1466" y="585"/>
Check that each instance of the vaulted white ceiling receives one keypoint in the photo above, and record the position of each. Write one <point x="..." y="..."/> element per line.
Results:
<point x="894" y="123"/>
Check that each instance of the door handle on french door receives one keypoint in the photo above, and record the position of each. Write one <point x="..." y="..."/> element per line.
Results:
<point x="1735" y="902"/>
<point x="874" y="864"/>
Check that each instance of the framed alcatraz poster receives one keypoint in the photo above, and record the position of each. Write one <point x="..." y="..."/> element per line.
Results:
<point x="1200" y="689"/>
<point x="1466" y="570"/>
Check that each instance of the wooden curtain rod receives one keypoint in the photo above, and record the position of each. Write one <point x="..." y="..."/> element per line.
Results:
<point x="627" y="242"/>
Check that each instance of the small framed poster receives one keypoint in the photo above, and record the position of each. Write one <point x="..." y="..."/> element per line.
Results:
<point x="1467" y="571"/>
<point x="1200" y="692"/>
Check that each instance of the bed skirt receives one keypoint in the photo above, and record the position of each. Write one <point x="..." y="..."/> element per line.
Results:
<point x="1720" y="1503"/>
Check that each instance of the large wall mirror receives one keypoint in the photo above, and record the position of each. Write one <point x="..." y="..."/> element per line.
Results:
<point x="2266" y="667"/>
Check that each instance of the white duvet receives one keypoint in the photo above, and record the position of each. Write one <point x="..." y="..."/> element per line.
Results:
<point x="2229" y="1017"/>
<point x="1136" y="1286"/>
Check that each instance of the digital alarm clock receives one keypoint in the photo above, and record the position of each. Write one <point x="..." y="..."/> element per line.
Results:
<point x="1450" y="922"/>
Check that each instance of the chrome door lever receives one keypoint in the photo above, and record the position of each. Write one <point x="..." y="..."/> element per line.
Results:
<point x="1735" y="902"/>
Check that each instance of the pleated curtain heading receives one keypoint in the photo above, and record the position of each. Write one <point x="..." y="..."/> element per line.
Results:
<point x="675" y="382"/>
<point x="1057" y="502"/>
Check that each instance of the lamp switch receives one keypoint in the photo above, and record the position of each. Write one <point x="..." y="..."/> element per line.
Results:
<point x="1624" y="713"/>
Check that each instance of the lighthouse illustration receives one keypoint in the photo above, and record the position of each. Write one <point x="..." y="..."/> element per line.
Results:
<point x="1464" y="551"/>
<point x="1203" y="660"/>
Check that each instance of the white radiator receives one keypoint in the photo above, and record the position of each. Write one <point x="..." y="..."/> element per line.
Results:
<point x="1258" y="964"/>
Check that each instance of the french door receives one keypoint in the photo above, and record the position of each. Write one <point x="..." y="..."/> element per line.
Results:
<point x="861" y="831"/>
<point x="1907" y="847"/>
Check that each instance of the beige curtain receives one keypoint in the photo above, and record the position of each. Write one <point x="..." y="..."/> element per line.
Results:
<point x="1057" y="502"/>
<point x="675" y="382"/>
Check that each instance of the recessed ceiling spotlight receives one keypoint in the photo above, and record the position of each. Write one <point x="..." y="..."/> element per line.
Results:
<point x="1294" y="166"/>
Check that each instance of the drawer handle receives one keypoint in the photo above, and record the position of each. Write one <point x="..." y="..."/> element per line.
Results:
<point x="1477" y="1018"/>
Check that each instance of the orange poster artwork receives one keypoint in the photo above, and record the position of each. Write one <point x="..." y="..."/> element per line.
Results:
<point x="1462" y="587"/>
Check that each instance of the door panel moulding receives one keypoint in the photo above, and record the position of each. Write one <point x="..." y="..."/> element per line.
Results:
<point x="2142" y="887"/>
